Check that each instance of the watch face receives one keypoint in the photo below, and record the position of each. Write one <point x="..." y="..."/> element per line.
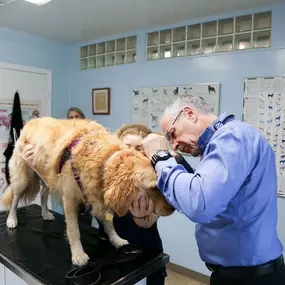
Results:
<point x="162" y="153"/>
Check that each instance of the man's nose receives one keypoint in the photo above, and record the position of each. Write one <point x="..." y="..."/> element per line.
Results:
<point x="174" y="145"/>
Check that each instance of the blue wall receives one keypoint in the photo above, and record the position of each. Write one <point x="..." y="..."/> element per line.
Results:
<point x="24" y="49"/>
<point x="229" y="69"/>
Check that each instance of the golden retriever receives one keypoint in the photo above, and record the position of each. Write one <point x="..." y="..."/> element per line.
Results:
<point x="112" y="176"/>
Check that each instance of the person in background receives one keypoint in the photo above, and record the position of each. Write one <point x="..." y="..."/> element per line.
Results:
<point x="84" y="212"/>
<point x="231" y="196"/>
<point x="75" y="113"/>
<point x="139" y="226"/>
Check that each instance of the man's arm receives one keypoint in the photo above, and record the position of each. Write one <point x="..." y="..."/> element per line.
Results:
<point x="203" y="195"/>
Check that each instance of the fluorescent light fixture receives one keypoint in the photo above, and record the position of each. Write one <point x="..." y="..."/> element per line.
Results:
<point x="38" y="2"/>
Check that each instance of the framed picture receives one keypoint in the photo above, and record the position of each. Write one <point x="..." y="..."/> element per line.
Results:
<point x="101" y="101"/>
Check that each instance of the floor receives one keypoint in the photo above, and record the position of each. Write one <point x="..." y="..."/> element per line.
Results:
<point x="174" y="278"/>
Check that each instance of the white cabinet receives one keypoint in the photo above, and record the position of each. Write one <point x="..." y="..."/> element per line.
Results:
<point x="2" y="274"/>
<point x="12" y="279"/>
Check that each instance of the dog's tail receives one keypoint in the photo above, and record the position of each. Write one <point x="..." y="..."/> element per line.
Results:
<point x="7" y="197"/>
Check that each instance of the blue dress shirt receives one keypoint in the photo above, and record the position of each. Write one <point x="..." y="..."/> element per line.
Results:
<point x="232" y="195"/>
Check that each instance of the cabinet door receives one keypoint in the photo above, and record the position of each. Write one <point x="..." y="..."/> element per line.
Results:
<point x="142" y="282"/>
<point x="12" y="279"/>
<point x="2" y="275"/>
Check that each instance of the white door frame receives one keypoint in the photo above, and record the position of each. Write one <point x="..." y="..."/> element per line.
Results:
<point x="30" y="69"/>
<point x="47" y="96"/>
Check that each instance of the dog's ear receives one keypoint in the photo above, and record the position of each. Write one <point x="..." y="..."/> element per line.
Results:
<point x="147" y="178"/>
<point x="121" y="194"/>
<point x="125" y="179"/>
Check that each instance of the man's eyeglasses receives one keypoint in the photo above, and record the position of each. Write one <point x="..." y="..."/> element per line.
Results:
<point x="170" y="133"/>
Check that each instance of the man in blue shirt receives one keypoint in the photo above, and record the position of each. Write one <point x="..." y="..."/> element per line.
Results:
<point x="232" y="195"/>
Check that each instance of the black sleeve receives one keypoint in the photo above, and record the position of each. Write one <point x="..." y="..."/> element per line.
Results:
<point x="181" y="160"/>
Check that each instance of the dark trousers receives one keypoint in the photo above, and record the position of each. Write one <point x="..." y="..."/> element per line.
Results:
<point x="275" y="278"/>
<point x="149" y="239"/>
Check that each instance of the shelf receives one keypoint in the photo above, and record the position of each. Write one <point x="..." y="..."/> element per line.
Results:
<point x="83" y="63"/>
<point x="92" y="50"/>
<point x="166" y="36"/>
<point x="226" y="26"/>
<point x="92" y="62"/>
<point x="111" y="46"/>
<point x="193" y="47"/>
<point x="209" y="45"/>
<point x="243" y="41"/>
<point x="109" y="53"/>
<point x="243" y="24"/>
<point x="262" y="21"/>
<point x="152" y="53"/>
<point x="110" y="59"/>
<point x="165" y="51"/>
<point x="262" y="39"/>
<point x="83" y="51"/>
<point x="131" y="56"/>
<point x="194" y="32"/>
<point x="179" y="34"/>
<point x="121" y="44"/>
<point x="222" y="35"/>
<point x="152" y="39"/>
<point x="131" y="43"/>
<point x="209" y="29"/>
<point x="101" y="48"/>
<point x="179" y="49"/>
<point x="100" y="61"/>
<point x="225" y="43"/>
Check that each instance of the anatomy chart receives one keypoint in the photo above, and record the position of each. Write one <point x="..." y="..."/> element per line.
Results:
<point x="264" y="108"/>
<point x="148" y="104"/>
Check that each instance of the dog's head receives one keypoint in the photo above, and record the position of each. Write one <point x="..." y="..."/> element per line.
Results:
<point x="127" y="175"/>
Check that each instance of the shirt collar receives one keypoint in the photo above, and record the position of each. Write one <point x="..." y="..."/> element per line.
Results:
<point x="207" y="134"/>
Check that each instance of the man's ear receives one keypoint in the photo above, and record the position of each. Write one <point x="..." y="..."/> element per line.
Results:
<point x="190" y="113"/>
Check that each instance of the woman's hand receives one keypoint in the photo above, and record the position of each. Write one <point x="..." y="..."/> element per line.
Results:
<point x="29" y="157"/>
<point x="142" y="211"/>
<point x="28" y="154"/>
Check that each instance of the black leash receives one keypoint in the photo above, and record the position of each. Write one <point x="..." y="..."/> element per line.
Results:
<point x="89" y="274"/>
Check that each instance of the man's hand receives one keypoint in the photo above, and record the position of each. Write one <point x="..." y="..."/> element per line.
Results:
<point x="153" y="143"/>
<point x="142" y="211"/>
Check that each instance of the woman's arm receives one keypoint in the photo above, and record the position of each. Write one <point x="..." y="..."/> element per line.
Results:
<point x="28" y="155"/>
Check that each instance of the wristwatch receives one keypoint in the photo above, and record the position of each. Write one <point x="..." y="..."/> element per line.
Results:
<point x="160" y="155"/>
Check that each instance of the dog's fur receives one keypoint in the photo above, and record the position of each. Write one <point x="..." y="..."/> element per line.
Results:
<point x="113" y="176"/>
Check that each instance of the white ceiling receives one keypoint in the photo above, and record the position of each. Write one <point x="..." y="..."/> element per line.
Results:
<point x="83" y="20"/>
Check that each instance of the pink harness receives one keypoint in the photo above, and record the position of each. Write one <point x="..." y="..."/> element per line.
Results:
<point x="68" y="156"/>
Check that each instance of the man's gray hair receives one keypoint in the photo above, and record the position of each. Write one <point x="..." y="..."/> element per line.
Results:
<point x="193" y="101"/>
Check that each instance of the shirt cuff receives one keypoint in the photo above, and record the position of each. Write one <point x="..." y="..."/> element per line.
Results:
<point x="165" y="163"/>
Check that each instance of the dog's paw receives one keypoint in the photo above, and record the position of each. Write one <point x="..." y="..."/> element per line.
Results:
<point x="12" y="222"/>
<point x="79" y="258"/>
<point x="118" y="242"/>
<point x="48" y="216"/>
